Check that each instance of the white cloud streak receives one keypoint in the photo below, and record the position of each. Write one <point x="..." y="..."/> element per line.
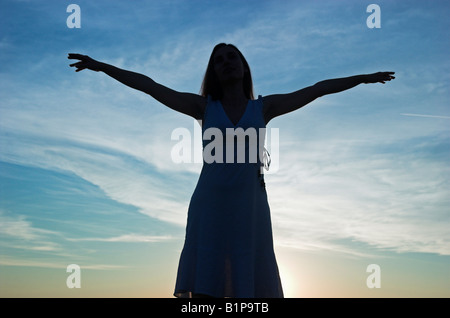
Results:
<point x="6" y="260"/>
<point x="427" y="116"/>
<point x="16" y="231"/>
<point x="385" y="200"/>
<point x="129" y="238"/>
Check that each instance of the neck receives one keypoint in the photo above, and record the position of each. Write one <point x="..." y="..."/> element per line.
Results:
<point x="233" y="91"/>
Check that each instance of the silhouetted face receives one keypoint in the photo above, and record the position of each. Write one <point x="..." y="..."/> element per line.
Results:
<point x="228" y="65"/>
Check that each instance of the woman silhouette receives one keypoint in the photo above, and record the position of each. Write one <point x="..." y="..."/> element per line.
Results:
<point x="228" y="249"/>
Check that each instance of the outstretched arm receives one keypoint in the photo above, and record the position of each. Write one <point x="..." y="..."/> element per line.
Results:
<point x="186" y="103"/>
<point x="276" y="105"/>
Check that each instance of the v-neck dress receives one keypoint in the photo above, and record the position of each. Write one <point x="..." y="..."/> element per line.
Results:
<point x="228" y="249"/>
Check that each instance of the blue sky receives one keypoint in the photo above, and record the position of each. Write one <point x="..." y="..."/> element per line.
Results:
<point x="86" y="174"/>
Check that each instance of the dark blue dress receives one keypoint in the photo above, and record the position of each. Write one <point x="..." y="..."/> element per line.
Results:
<point x="228" y="249"/>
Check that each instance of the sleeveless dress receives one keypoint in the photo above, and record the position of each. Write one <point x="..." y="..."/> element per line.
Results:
<point x="228" y="249"/>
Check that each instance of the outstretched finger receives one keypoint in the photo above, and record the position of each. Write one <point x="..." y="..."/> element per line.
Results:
<point x="388" y="75"/>
<point x="76" y="56"/>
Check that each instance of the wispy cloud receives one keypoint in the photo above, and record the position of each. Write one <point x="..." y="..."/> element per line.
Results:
<point x="363" y="193"/>
<point x="17" y="232"/>
<point x="128" y="238"/>
<point x="428" y="116"/>
<point x="6" y="260"/>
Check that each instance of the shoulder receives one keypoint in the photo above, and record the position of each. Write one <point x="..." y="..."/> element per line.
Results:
<point x="259" y="101"/>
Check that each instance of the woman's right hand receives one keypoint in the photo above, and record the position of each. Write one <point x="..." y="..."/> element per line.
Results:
<point x="85" y="62"/>
<point x="380" y="77"/>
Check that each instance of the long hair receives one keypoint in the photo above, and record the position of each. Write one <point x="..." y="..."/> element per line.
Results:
<point x="211" y="85"/>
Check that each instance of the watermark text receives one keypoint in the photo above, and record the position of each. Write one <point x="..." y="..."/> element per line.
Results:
<point x="74" y="19"/>
<point x="234" y="145"/>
